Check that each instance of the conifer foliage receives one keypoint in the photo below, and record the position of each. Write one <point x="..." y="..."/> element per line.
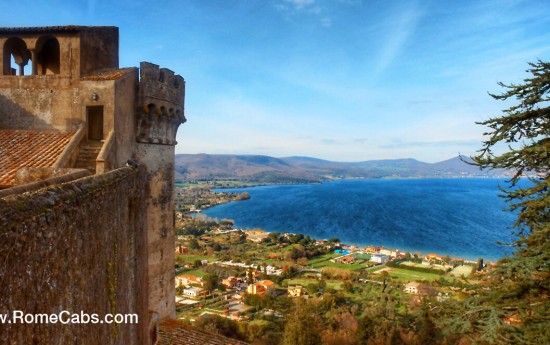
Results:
<point x="517" y="307"/>
<point x="525" y="130"/>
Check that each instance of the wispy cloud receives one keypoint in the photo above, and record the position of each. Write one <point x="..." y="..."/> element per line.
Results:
<point x="400" y="27"/>
<point x="326" y="22"/>
<point x="299" y="4"/>
<point x="293" y="8"/>
<point x="398" y="143"/>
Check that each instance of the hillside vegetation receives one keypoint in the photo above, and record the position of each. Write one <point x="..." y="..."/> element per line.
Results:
<point x="268" y="170"/>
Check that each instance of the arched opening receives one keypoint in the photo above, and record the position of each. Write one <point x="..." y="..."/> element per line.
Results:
<point x="48" y="56"/>
<point x="16" y="56"/>
<point x="152" y="109"/>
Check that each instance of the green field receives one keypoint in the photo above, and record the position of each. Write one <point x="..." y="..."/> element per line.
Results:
<point x="362" y="256"/>
<point x="192" y="257"/>
<point x="321" y="260"/>
<point x="465" y="270"/>
<point x="409" y="276"/>
<point x="197" y="273"/>
<point x="332" y="284"/>
<point x="359" y="264"/>
<point x="324" y="261"/>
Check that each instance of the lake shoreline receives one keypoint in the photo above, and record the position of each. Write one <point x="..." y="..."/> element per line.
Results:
<point x="470" y="252"/>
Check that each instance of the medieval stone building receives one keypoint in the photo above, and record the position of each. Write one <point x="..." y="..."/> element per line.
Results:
<point x="86" y="185"/>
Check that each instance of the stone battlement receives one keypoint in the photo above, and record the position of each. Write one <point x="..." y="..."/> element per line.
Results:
<point x="161" y="105"/>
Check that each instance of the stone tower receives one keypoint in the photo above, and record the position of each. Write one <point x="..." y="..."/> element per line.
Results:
<point x="68" y="110"/>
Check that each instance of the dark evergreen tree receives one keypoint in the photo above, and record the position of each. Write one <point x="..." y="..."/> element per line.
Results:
<point x="516" y="308"/>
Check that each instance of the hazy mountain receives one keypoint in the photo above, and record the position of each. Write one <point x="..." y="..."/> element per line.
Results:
<point x="253" y="168"/>
<point x="265" y="169"/>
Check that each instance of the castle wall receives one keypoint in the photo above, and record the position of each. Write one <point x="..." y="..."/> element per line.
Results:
<point x="84" y="250"/>
<point x="38" y="103"/>
<point x="98" y="48"/>
<point x="125" y="116"/>
<point x="105" y="92"/>
<point x="159" y="160"/>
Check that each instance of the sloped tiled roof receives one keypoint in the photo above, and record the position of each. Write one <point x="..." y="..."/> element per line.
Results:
<point x="108" y="74"/>
<point x="23" y="148"/>
<point x="173" y="332"/>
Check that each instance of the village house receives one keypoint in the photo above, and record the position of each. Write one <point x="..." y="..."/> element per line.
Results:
<point x="181" y="250"/>
<point x="346" y="259"/>
<point x="379" y="258"/>
<point x="433" y="259"/>
<point x="231" y="282"/>
<point x="420" y="289"/>
<point x="188" y="280"/>
<point x="389" y="252"/>
<point x="295" y="291"/>
<point x="412" y="288"/>
<point x="194" y="292"/>
<point x="260" y="288"/>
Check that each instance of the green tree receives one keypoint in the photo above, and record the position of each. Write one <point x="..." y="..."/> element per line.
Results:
<point x="210" y="282"/>
<point x="516" y="309"/>
<point x="525" y="130"/>
<point x="302" y="327"/>
<point x="479" y="264"/>
<point x="427" y="332"/>
<point x="385" y="275"/>
<point x="194" y="244"/>
<point x="365" y="330"/>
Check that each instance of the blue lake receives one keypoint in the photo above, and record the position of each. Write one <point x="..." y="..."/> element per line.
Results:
<point x="456" y="217"/>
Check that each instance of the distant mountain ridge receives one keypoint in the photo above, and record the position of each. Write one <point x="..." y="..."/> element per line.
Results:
<point x="266" y="169"/>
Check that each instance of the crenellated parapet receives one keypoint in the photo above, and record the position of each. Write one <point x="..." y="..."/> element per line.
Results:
<point x="160" y="105"/>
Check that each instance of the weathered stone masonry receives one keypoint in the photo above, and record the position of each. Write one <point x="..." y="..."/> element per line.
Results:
<point x="103" y="243"/>
<point x="84" y="249"/>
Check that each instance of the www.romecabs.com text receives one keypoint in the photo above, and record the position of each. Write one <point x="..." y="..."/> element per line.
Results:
<point x="65" y="317"/>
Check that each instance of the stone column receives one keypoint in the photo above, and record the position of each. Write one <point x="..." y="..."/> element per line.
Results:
<point x="34" y="62"/>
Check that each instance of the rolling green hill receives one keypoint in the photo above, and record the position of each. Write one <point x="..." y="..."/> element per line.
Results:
<point x="265" y="169"/>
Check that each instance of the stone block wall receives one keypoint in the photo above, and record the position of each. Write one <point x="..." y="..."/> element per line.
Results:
<point x="161" y="96"/>
<point x="159" y="160"/>
<point x="84" y="249"/>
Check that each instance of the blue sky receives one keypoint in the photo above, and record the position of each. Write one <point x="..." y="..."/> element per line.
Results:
<point x="344" y="80"/>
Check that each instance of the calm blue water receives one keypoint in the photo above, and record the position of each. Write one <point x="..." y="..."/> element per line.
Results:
<point x="459" y="217"/>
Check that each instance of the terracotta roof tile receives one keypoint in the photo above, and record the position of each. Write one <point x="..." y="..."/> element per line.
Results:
<point x="173" y="332"/>
<point x="109" y="74"/>
<point x="22" y="148"/>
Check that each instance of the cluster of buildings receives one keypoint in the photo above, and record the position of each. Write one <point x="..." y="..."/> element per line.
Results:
<point x="269" y="269"/>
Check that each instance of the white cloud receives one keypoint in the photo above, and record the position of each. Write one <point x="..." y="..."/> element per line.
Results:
<point x="299" y="4"/>
<point x="326" y="22"/>
<point x="400" y="27"/>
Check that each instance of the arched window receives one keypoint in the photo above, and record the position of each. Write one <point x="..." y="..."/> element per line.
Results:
<point x="16" y="56"/>
<point x="48" y="56"/>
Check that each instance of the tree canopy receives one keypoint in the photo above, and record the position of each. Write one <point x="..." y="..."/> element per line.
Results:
<point x="524" y="128"/>
<point x="516" y="308"/>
